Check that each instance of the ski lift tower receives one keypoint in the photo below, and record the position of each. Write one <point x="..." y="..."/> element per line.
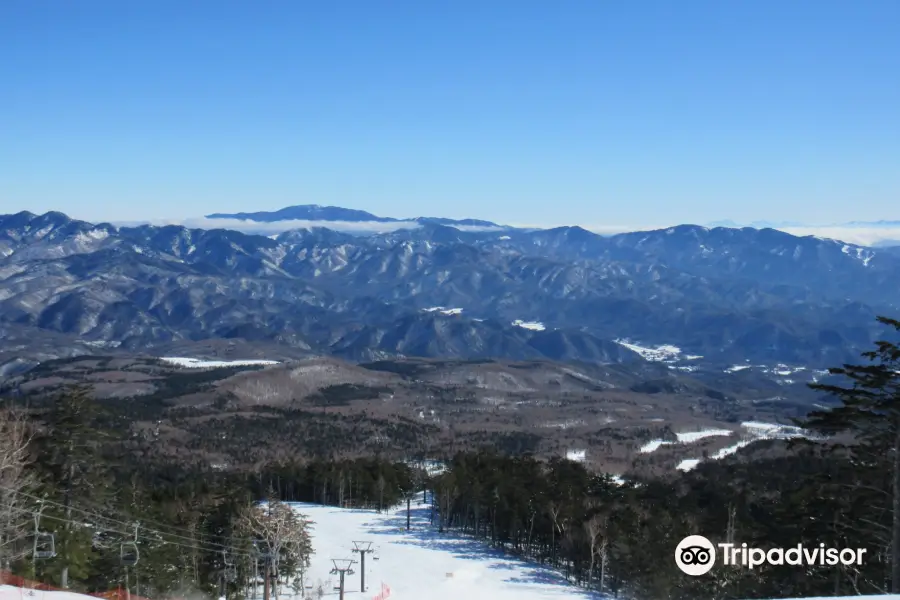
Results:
<point x="342" y="567"/>
<point x="362" y="548"/>
<point x="129" y="556"/>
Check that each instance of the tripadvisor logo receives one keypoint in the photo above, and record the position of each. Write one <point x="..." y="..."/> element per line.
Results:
<point x="695" y="555"/>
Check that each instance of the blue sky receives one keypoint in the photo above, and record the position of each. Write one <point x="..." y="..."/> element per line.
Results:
<point x="591" y="112"/>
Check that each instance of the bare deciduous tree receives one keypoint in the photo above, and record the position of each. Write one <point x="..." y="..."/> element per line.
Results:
<point x="15" y="479"/>
<point x="282" y="534"/>
<point x="595" y="528"/>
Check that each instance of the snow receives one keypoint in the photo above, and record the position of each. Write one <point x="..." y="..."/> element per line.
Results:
<point x="686" y="437"/>
<point x="533" y="325"/>
<point x="444" y="311"/>
<point x="693" y="436"/>
<point x="730" y="449"/>
<point x="196" y="363"/>
<point x="779" y="370"/>
<point x="577" y="455"/>
<point x="422" y="563"/>
<point x="862" y="255"/>
<point x="94" y="235"/>
<point x="688" y="464"/>
<point x="754" y="431"/>
<point x="432" y="467"/>
<point x="772" y="430"/>
<point x="661" y="353"/>
<point x="8" y="592"/>
<point x="652" y="445"/>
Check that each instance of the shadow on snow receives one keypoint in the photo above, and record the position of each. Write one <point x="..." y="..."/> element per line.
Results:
<point x="424" y="535"/>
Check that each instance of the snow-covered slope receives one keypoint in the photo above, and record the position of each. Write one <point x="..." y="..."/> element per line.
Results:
<point x="422" y="563"/>
<point x="8" y="592"/>
<point x="198" y="363"/>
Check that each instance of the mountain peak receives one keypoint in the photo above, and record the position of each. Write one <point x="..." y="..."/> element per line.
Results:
<point x="305" y="212"/>
<point x="316" y="212"/>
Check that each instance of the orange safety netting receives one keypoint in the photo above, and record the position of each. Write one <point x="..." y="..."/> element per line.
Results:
<point x="7" y="578"/>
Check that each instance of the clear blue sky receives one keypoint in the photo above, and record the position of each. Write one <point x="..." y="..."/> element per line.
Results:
<point x="538" y="112"/>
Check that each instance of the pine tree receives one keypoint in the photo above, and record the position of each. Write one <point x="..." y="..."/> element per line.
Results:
<point x="75" y="476"/>
<point x="870" y="411"/>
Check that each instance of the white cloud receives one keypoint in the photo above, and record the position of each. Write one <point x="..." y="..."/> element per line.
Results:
<point x="477" y="228"/>
<point x="598" y="229"/>
<point x="279" y="226"/>
<point x="862" y="236"/>
<point x="859" y="235"/>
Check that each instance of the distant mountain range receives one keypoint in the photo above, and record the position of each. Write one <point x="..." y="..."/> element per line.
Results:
<point x="729" y="295"/>
<point x="797" y="224"/>
<point x="878" y="234"/>
<point x="314" y="212"/>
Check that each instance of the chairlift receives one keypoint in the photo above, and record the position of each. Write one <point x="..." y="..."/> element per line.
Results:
<point x="229" y="570"/>
<point x="128" y="554"/>
<point x="44" y="545"/>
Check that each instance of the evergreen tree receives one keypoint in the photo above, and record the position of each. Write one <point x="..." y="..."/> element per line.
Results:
<point x="870" y="411"/>
<point x="74" y="475"/>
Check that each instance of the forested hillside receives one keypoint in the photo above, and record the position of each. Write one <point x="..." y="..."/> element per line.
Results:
<point x="75" y="508"/>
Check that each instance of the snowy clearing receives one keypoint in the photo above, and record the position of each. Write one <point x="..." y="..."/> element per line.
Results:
<point x="421" y="563"/>
<point x="533" y="325"/>
<point x="444" y="311"/>
<point x="754" y="431"/>
<point x="772" y="430"/>
<point x="688" y="464"/>
<point x="694" y="436"/>
<point x="657" y="354"/>
<point x="652" y="446"/>
<point x="197" y="363"/>
<point x="685" y="437"/>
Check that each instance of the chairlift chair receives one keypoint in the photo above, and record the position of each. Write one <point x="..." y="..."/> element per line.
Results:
<point x="128" y="554"/>
<point x="44" y="545"/>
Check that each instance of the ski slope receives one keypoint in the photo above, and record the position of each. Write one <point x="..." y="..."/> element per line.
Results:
<point x="8" y="592"/>
<point x="421" y="563"/>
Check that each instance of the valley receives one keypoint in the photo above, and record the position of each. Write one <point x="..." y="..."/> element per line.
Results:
<point x="239" y="412"/>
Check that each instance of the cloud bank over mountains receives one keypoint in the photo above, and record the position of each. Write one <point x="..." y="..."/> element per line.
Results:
<point x="885" y="233"/>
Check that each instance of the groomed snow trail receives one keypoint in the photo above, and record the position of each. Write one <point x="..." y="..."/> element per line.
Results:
<point x="422" y="563"/>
